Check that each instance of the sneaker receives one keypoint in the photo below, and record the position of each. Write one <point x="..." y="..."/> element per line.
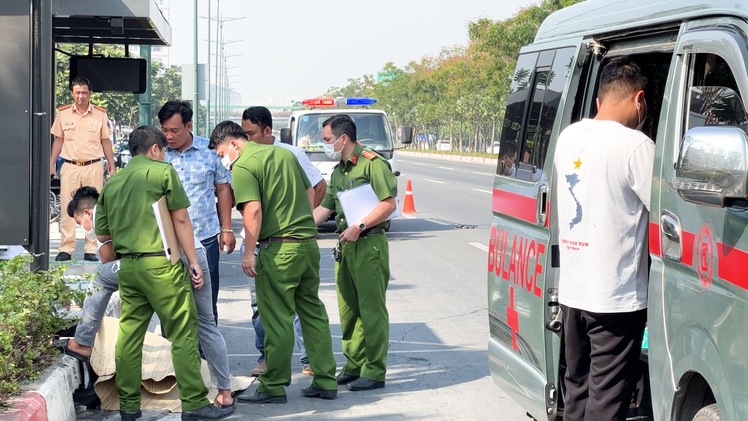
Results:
<point x="307" y="369"/>
<point x="259" y="369"/>
<point x="63" y="257"/>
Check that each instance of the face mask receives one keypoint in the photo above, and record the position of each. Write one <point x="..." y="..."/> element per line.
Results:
<point x="227" y="161"/>
<point x="329" y="149"/>
<point x="642" y="120"/>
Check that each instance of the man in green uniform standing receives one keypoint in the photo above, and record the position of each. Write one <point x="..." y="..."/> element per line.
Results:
<point x="148" y="281"/>
<point x="275" y="198"/>
<point x="363" y="271"/>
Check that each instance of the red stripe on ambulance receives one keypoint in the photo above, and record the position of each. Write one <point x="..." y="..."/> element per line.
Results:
<point x="516" y="205"/>
<point x="731" y="264"/>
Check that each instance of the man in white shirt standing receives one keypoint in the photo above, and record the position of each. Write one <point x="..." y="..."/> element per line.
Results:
<point x="603" y="180"/>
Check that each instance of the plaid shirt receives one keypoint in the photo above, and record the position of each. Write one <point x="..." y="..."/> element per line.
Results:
<point x="200" y="170"/>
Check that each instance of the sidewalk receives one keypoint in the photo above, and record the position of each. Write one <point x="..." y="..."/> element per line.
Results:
<point x="448" y="157"/>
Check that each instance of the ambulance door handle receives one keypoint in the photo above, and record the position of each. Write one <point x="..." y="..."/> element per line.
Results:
<point x="542" y="205"/>
<point x="670" y="227"/>
<point x="670" y="240"/>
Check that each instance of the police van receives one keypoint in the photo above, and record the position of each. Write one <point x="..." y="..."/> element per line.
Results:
<point x="372" y="127"/>
<point x="695" y="53"/>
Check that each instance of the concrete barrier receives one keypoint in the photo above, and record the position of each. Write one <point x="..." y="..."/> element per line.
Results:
<point x="51" y="397"/>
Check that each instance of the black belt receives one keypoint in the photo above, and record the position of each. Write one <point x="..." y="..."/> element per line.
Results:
<point x="81" y="164"/>
<point x="375" y="230"/>
<point x="139" y="255"/>
<point x="271" y="240"/>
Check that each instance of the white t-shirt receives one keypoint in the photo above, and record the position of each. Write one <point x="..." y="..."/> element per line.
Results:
<point x="602" y="189"/>
<point x="312" y="173"/>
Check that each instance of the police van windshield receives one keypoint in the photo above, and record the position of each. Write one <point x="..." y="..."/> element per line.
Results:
<point x="372" y="130"/>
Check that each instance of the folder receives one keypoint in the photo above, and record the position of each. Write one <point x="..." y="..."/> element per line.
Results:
<point x="166" y="228"/>
<point x="359" y="202"/>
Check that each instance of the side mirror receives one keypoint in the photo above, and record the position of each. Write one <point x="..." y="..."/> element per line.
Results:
<point x="406" y="135"/>
<point x="286" y="136"/>
<point x="711" y="166"/>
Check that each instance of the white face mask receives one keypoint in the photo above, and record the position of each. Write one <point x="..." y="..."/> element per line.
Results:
<point x="227" y="161"/>
<point x="329" y="149"/>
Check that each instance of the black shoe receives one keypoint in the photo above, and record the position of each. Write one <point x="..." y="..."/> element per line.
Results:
<point x="259" y="397"/>
<point x="130" y="415"/>
<point x="63" y="257"/>
<point x="90" y="257"/>
<point x="343" y="378"/>
<point x="208" y="412"/>
<point x="315" y="392"/>
<point x="365" y="384"/>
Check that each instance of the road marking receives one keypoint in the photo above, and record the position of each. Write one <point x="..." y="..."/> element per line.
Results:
<point x="483" y="191"/>
<point x="480" y="246"/>
<point x="433" y="181"/>
<point x="447" y="168"/>
<point x="416" y="163"/>
<point x="484" y="173"/>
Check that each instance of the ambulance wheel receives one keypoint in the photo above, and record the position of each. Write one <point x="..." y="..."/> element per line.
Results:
<point x="708" y="413"/>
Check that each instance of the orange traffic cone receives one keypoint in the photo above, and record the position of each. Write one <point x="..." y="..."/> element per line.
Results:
<point x="408" y="205"/>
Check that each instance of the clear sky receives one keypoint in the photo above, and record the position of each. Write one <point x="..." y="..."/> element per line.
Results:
<point x="296" y="49"/>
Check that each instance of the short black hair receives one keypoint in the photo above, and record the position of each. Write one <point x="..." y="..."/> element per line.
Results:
<point x="143" y="138"/>
<point x="341" y="124"/>
<point x="224" y="131"/>
<point x="78" y="81"/>
<point x="171" y="108"/>
<point x="259" y="115"/>
<point x="621" y="77"/>
<point x="83" y="198"/>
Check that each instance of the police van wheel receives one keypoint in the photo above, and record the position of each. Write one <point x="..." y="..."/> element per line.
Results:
<point x="708" y="413"/>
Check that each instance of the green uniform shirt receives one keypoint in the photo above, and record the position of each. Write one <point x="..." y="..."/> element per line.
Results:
<point x="274" y="177"/>
<point x="364" y="166"/>
<point x="124" y="210"/>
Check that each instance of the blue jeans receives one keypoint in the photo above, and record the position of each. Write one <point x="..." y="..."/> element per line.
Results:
<point x="260" y="330"/>
<point x="213" y="252"/>
<point x="104" y="285"/>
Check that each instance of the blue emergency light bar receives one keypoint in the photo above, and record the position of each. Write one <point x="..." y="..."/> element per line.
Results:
<point x="360" y="101"/>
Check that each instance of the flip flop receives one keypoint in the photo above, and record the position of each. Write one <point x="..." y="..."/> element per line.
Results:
<point x="62" y="345"/>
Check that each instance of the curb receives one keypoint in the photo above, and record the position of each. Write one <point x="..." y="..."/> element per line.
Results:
<point x="51" y="394"/>
<point x="445" y="157"/>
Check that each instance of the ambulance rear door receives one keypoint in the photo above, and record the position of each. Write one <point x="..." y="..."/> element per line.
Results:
<point x="525" y="336"/>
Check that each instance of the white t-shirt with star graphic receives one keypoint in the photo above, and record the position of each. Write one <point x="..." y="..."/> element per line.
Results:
<point x="603" y="179"/>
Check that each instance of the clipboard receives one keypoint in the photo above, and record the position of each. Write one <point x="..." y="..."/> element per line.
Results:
<point x="360" y="201"/>
<point x="166" y="229"/>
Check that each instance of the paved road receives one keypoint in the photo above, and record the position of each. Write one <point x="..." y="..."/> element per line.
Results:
<point x="437" y="362"/>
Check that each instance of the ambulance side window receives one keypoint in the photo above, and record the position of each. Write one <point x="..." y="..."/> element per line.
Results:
<point x="713" y="95"/>
<point x="516" y="109"/>
<point x="553" y="68"/>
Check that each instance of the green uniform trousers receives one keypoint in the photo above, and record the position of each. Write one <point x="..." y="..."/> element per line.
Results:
<point x="149" y="284"/>
<point x="287" y="283"/>
<point x="361" y="279"/>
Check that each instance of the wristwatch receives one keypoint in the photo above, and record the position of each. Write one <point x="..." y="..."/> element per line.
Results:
<point x="362" y="226"/>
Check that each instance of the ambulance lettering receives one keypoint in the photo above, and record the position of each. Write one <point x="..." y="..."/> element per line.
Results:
<point x="522" y="265"/>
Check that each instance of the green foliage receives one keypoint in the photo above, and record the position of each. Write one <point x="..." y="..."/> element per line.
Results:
<point x="461" y="94"/>
<point x="30" y="315"/>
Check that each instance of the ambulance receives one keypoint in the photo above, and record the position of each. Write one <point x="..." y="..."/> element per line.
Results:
<point x="695" y="362"/>
<point x="372" y="126"/>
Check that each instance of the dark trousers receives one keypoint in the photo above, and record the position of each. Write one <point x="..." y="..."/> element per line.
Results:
<point x="213" y="252"/>
<point x="602" y="352"/>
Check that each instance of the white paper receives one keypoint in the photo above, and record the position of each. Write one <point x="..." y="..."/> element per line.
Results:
<point x="161" y="229"/>
<point x="359" y="202"/>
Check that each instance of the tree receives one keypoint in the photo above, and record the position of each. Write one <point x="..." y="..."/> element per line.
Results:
<point x="462" y="91"/>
